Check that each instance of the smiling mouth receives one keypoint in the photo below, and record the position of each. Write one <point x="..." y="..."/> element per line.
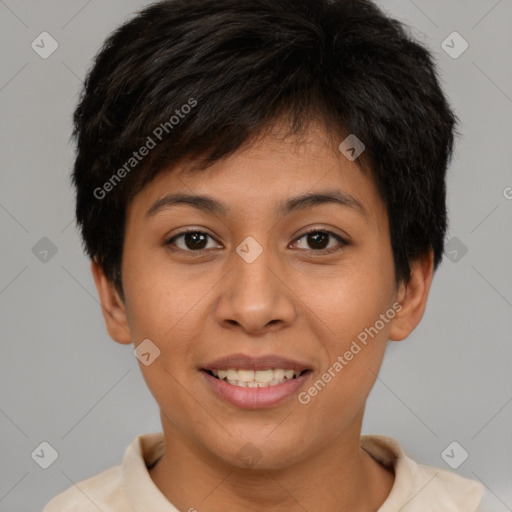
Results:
<point x="255" y="378"/>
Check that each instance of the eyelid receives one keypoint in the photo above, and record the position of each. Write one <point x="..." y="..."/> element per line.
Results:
<point x="324" y="229"/>
<point x="168" y="241"/>
<point x="315" y="229"/>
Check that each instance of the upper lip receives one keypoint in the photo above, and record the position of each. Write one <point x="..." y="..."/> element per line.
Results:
<point x="244" y="362"/>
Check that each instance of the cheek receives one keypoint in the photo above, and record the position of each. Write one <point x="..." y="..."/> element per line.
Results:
<point x="347" y="301"/>
<point x="170" y="309"/>
<point x="161" y="299"/>
<point x="341" y="387"/>
<point x="351" y="314"/>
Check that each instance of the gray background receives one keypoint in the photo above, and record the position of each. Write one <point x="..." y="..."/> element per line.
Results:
<point x="65" y="382"/>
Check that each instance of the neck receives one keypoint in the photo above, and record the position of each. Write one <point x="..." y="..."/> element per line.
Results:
<point x="341" y="477"/>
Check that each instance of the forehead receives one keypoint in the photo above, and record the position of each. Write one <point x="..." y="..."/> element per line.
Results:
<point x="272" y="172"/>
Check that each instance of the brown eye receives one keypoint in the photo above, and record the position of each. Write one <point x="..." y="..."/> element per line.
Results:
<point x="191" y="241"/>
<point x="320" y="240"/>
<point x="195" y="241"/>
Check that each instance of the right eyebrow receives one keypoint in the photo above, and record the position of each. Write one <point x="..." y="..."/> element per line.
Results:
<point x="211" y="205"/>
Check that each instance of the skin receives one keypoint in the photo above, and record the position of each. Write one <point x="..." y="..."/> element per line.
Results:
<point x="296" y="300"/>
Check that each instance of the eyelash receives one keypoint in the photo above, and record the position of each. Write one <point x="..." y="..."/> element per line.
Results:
<point x="340" y="239"/>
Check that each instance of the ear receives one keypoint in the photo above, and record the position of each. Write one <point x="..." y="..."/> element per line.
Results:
<point x="413" y="297"/>
<point x="112" y="306"/>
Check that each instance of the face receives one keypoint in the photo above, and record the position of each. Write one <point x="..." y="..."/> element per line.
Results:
<point x="269" y="292"/>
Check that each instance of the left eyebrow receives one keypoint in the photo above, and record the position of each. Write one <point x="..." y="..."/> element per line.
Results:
<point x="203" y="203"/>
<point x="318" y="198"/>
<point x="210" y="205"/>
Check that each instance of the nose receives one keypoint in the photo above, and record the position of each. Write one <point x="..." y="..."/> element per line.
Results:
<point x="254" y="297"/>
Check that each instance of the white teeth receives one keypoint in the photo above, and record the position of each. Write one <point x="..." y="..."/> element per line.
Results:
<point x="279" y="374"/>
<point x="232" y="374"/>
<point x="255" y="379"/>
<point x="246" y="375"/>
<point x="289" y="374"/>
<point x="264" y="375"/>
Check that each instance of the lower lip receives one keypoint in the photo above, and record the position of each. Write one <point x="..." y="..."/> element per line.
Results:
<point x="255" y="398"/>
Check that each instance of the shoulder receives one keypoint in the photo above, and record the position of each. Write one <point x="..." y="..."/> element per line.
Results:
<point x="422" y="488"/>
<point x="102" y="491"/>
<point x="119" y="488"/>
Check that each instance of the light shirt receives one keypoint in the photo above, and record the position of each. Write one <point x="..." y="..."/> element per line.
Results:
<point x="129" y="487"/>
